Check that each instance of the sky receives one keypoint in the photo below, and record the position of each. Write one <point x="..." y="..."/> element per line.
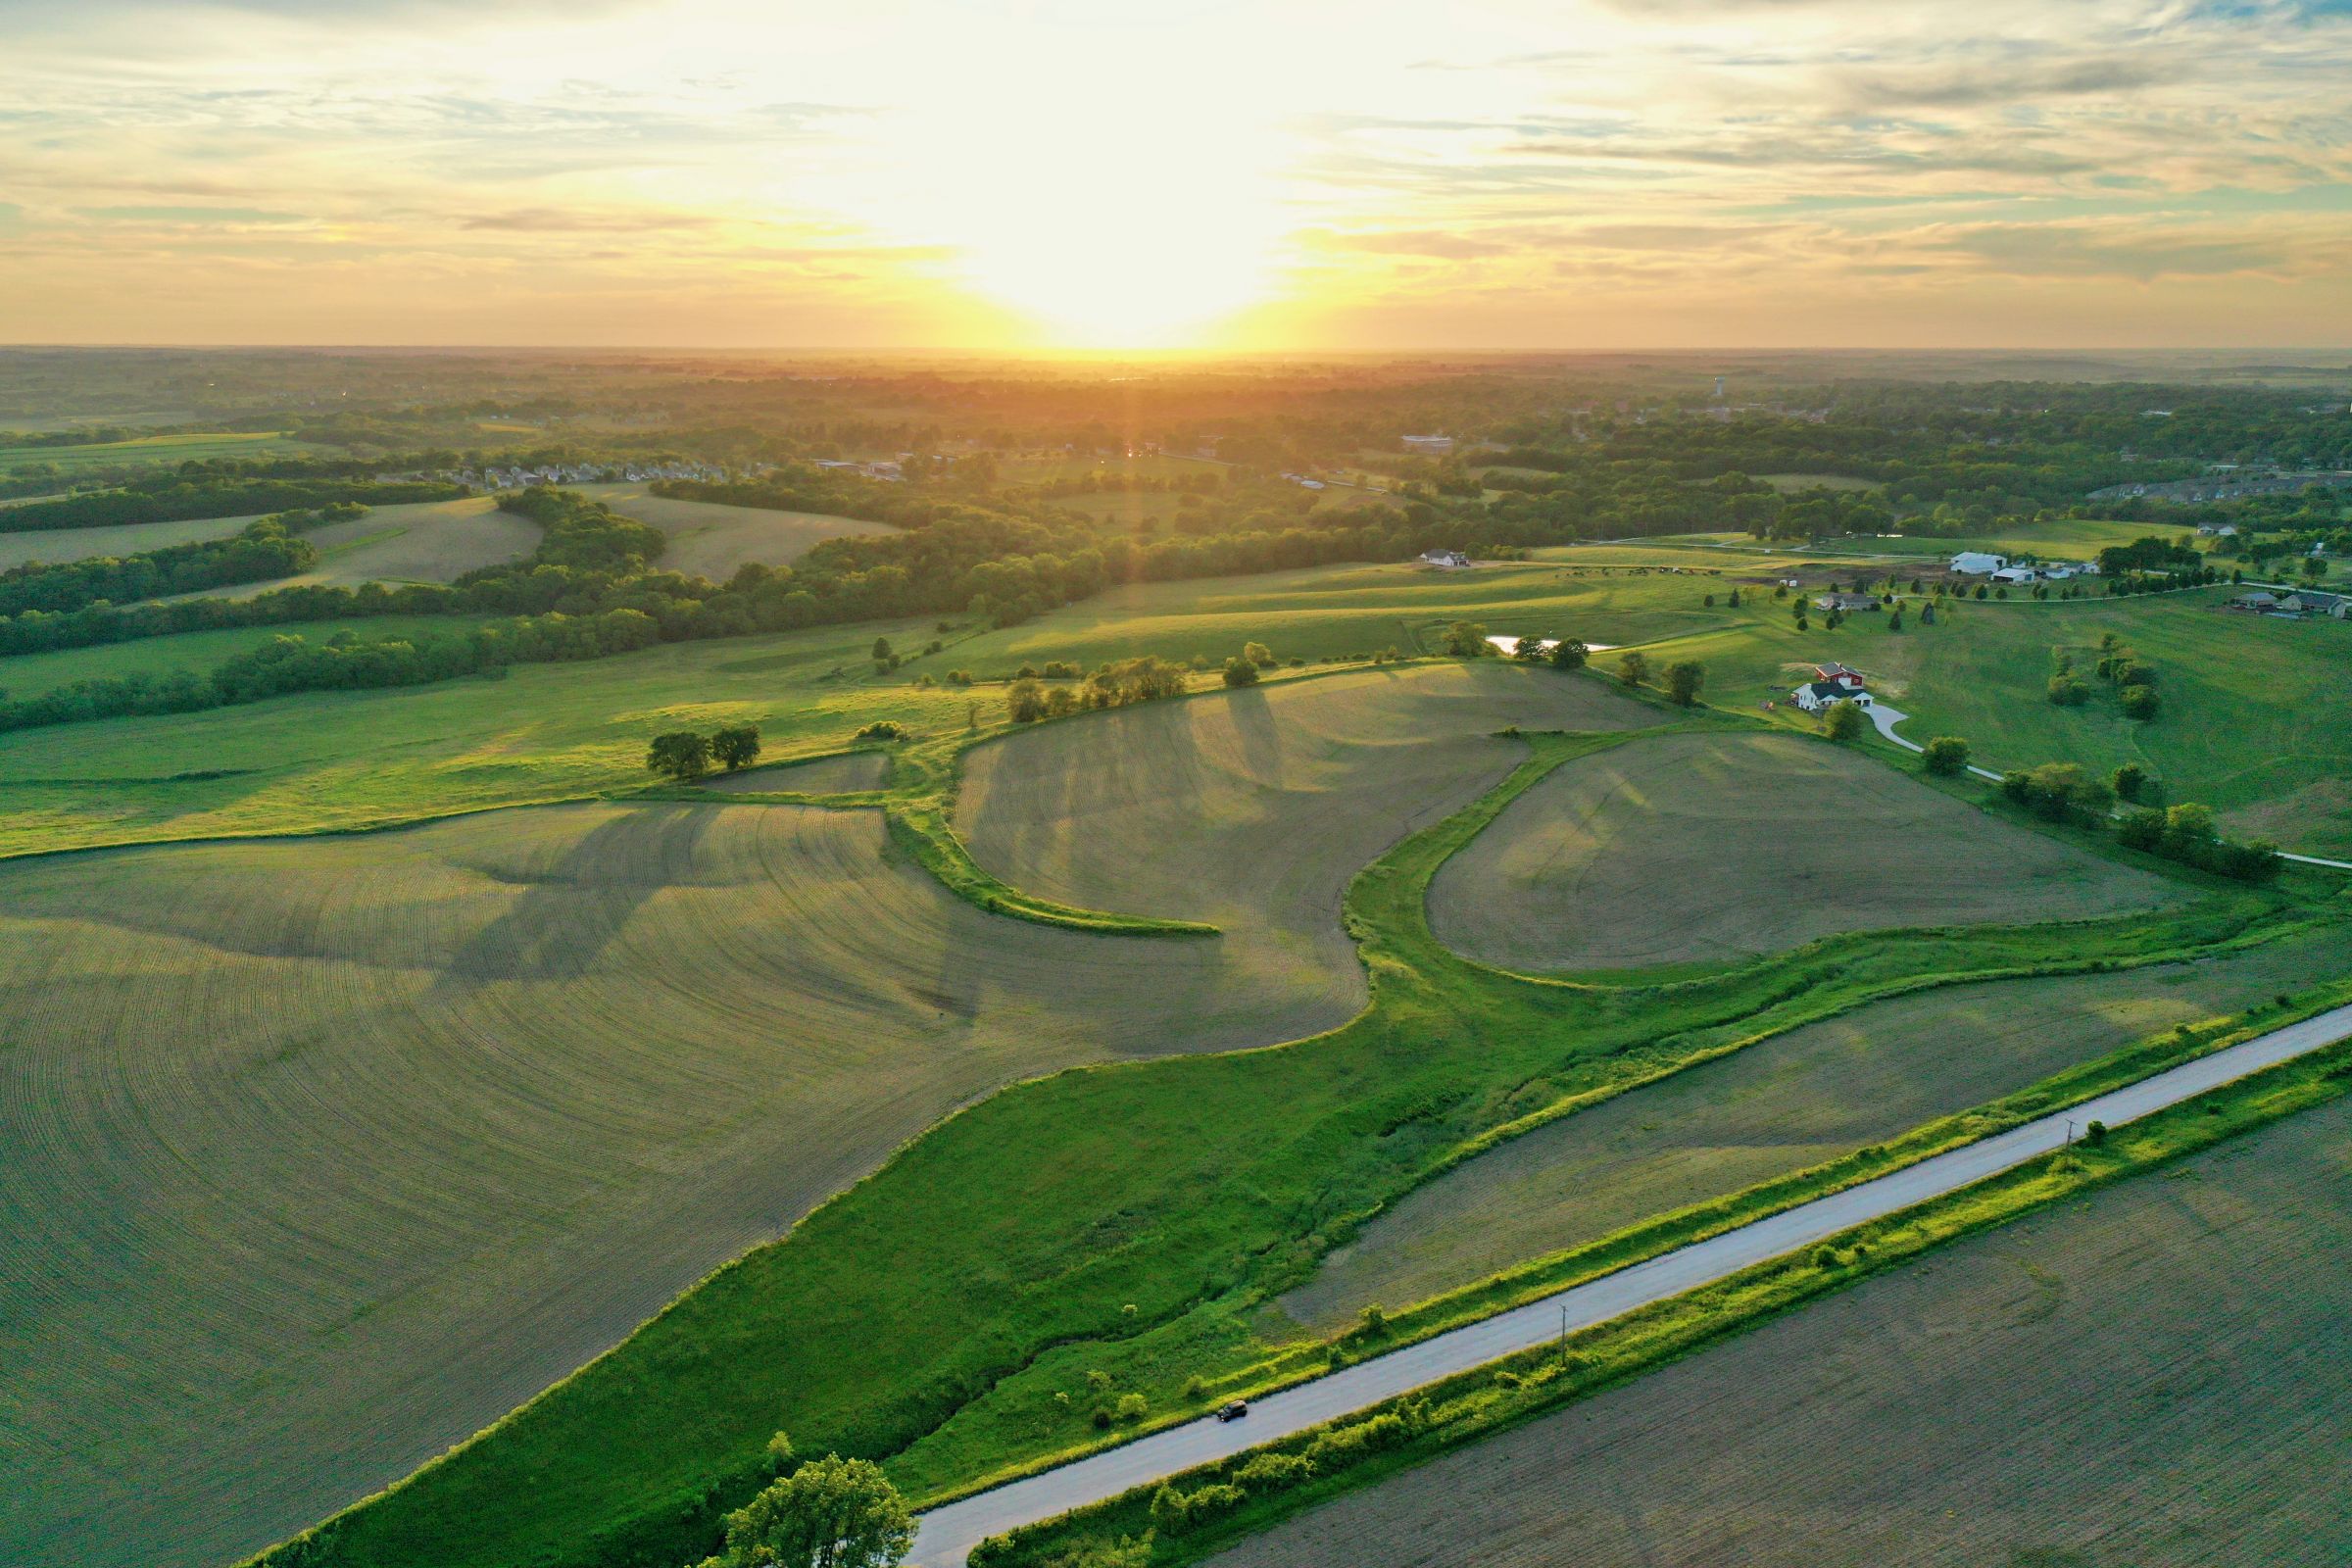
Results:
<point x="1281" y="175"/>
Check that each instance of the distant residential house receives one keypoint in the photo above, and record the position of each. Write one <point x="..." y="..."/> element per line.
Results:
<point x="1978" y="562"/>
<point x="1840" y="675"/>
<point x="1447" y="559"/>
<point x="1429" y="446"/>
<point x="2255" y="598"/>
<point x="1814" y="696"/>
<point x="1849" y="604"/>
<point x="2312" y="602"/>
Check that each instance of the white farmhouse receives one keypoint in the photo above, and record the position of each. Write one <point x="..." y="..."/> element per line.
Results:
<point x="1814" y="696"/>
<point x="1447" y="559"/>
<point x="1429" y="446"/>
<point x="2016" y="574"/>
<point x="1978" y="562"/>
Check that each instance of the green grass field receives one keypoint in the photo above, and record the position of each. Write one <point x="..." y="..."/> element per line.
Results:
<point x="1703" y="848"/>
<point x="369" y="1138"/>
<point x="1329" y="613"/>
<point x="1798" y="1099"/>
<point x="159" y="450"/>
<point x="199" y="652"/>
<point x="324" y="761"/>
<point x="2060" y="539"/>
<point x="708" y="540"/>
<point x="2150" y="1375"/>
<point x="2243" y="726"/>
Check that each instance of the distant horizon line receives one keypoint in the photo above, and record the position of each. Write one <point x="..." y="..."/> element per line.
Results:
<point x="904" y="352"/>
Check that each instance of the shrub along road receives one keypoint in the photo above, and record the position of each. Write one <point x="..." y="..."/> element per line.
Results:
<point x="948" y="1534"/>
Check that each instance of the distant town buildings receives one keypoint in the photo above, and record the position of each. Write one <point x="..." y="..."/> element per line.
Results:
<point x="516" y="476"/>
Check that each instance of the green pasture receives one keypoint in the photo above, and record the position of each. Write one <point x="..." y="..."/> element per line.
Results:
<point x="1332" y="612"/>
<point x="198" y="653"/>
<point x="332" y="760"/>
<point x="156" y="450"/>
<point x="2058" y="539"/>
<point x="2245" y="724"/>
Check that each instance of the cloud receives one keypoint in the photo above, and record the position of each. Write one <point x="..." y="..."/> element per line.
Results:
<point x="1980" y="82"/>
<point x="2137" y="252"/>
<point x="198" y="215"/>
<point x="554" y="220"/>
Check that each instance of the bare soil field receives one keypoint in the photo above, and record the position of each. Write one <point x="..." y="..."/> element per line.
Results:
<point x="2151" y="1377"/>
<point x="1692" y="847"/>
<point x="827" y="775"/>
<point x="708" y="540"/>
<point x="1253" y="809"/>
<point x="318" y="1156"/>
<point x="1797" y="1099"/>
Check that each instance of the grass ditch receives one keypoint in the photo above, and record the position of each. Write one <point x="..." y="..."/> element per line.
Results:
<point x="1193" y="1515"/>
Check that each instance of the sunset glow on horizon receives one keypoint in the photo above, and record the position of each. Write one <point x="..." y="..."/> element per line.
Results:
<point x="1197" y="175"/>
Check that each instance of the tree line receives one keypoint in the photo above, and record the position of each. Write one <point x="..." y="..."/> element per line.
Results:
<point x="344" y="661"/>
<point x="265" y="548"/>
<point x="179" y="497"/>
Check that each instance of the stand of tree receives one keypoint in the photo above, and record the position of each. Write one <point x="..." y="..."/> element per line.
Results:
<point x="178" y="497"/>
<point x="265" y="548"/>
<point x="345" y="661"/>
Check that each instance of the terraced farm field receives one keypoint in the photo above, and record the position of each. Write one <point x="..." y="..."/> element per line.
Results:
<point x="827" y="775"/>
<point x="2152" y="1376"/>
<point x="1784" y="1103"/>
<point x="60" y="546"/>
<point x="708" y="540"/>
<point x="1691" y="848"/>
<point x="318" y="1155"/>
<point x="429" y="541"/>
<point x="1253" y="809"/>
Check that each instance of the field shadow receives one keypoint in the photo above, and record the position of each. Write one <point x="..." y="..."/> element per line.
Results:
<point x="572" y="911"/>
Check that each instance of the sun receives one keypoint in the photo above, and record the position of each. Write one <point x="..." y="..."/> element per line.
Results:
<point x="1107" y="217"/>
